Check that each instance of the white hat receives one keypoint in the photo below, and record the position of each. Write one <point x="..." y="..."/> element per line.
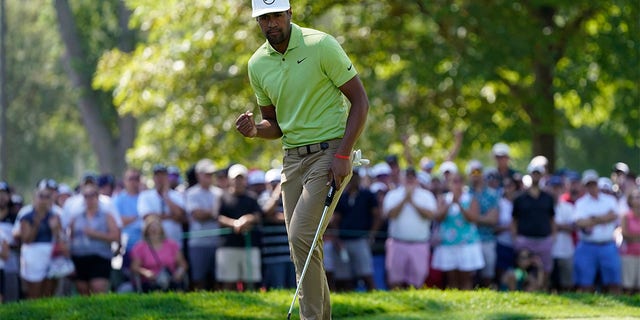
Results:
<point x="237" y="170"/>
<point x="261" y="7"/>
<point x="256" y="177"/>
<point x="535" y="167"/>
<point x="500" y="150"/>
<point x="589" y="176"/>
<point x="605" y="183"/>
<point x="378" y="186"/>
<point x="473" y="165"/>
<point x="380" y="169"/>
<point x="448" y="166"/>
<point x="273" y="175"/>
<point x="539" y="161"/>
<point x="64" y="189"/>
<point x="205" y="166"/>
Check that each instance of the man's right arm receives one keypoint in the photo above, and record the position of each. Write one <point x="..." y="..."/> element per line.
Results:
<point x="268" y="128"/>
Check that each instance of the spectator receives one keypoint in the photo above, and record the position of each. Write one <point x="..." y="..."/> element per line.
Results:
<point x="64" y="193"/>
<point x="395" y="175"/>
<point x="380" y="190"/>
<point x="76" y="205"/>
<point x="533" y="225"/>
<point x="238" y="259"/>
<point x="528" y="274"/>
<point x="447" y="170"/>
<point x="563" y="247"/>
<point x="157" y="260"/>
<point x="6" y="224"/>
<point x="357" y="217"/>
<point x="106" y="184"/>
<point x="278" y="269"/>
<point x="381" y="172"/>
<point x="175" y="180"/>
<point x="410" y="210"/>
<point x="630" y="249"/>
<point x="92" y="233"/>
<point x="501" y="154"/>
<point x="596" y="252"/>
<point x="164" y="202"/>
<point x="126" y="202"/>
<point x="505" y="253"/>
<point x="488" y="200"/>
<point x="256" y="182"/>
<point x="459" y="252"/>
<point x="38" y="231"/>
<point x="203" y="205"/>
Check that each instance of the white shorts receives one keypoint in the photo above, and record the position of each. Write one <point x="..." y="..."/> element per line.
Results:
<point x="238" y="264"/>
<point x="463" y="257"/>
<point x="34" y="261"/>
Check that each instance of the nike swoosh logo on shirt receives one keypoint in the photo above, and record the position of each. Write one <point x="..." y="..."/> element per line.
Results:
<point x="303" y="59"/>
<point x="350" y="66"/>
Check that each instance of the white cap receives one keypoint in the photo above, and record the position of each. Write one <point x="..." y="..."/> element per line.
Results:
<point x="500" y="149"/>
<point x="590" y="176"/>
<point x="539" y="161"/>
<point x="261" y="7"/>
<point x="237" y="170"/>
<point x="605" y="183"/>
<point x="256" y="177"/>
<point x="205" y="166"/>
<point x="64" y="189"/>
<point x="474" y="165"/>
<point x="273" y="175"/>
<point x="378" y="186"/>
<point x="380" y="169"/>
<point x="448" y="166"/>
<point x="535" y="167"/>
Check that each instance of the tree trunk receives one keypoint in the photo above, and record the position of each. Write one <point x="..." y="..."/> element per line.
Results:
<point x="109" y="148"/>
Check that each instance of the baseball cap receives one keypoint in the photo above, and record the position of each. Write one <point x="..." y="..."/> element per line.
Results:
<point x="158" y="168"/>
<point x="106" y="180"/>
<point x="605" y="184"/>
<point x="205" y="166"/>
<point x="621" y="167"/>
<point x="589" y="176"/>
<point x="273" y="175"/>
<point x="449" y="166"/>
<point x="500" y="149"/>
<point x="47" y="184"/>
<point x="261" y="7"/>
<point x="556" y="180"/>
<point x="256" y="177"/>
<point x="64" y="189"/>
<point x="378" y="186"/>
<point x="4" y="186"/>
<point x="535" y="167"/>
<point x="237" y="170"/>
<point x="427" y="164"/>
<point x="381" y="169"/>
<point x="473" y="165"/>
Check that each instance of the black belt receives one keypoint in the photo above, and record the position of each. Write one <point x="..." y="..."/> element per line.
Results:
<point x="308" y="149"/>
<point x="600" y="243"/>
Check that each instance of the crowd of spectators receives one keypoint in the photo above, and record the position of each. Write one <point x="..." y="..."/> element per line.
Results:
<point x="488" y="225"/>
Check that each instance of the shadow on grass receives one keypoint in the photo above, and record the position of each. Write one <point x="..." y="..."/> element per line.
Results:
<point x="598" y="299"/>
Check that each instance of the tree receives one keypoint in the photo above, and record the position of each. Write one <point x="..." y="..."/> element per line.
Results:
<point x="111" y="135"/>
<point x="514" y="71"/>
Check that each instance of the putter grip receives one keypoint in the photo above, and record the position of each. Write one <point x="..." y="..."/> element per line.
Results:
<point x="332" y="192"/>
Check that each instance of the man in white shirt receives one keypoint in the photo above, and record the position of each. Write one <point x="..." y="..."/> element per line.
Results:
<point x="596" y="219"/>
<point x="410" y="210"/>
<point x="203" y="205"/>
<point x="164" y="202"/>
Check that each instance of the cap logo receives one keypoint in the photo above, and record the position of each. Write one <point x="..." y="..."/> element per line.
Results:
<point x="268" y="2"/>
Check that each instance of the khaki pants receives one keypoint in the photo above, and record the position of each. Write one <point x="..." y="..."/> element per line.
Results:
<point x="304" y="190"/>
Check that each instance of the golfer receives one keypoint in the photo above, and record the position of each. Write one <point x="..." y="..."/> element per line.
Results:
<point x="301" y="77"/>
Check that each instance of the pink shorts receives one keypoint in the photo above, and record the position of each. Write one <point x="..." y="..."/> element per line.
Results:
<point x="407" y="262"/>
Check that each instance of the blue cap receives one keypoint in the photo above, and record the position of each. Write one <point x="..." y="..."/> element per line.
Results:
<point x="556" y="181"/>
<point x="4" y="187"/>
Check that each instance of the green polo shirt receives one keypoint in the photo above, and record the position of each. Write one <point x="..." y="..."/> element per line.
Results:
<point x="303" y="85"/>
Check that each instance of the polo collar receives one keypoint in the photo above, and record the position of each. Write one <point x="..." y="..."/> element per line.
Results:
<point x="294" y="40"/>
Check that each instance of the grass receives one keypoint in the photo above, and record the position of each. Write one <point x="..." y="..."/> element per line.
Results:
<point x="397" y="305"/>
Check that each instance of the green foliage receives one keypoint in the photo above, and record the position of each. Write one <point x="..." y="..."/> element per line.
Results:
<point x="413" y="304"/>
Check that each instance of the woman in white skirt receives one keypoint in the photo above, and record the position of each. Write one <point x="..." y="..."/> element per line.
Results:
<point x="459" y="253"/>
<point x="38" y="230"/>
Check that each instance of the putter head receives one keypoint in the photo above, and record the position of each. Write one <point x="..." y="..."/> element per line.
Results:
<point x="357" y="158"/>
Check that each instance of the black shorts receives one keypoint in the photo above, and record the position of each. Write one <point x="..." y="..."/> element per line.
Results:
<point x="91" y="267"/>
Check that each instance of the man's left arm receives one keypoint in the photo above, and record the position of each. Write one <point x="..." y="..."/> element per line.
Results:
<point x="354" y="91"/>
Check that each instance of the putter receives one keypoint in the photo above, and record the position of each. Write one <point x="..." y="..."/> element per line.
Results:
<point x="356" y="161"/>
